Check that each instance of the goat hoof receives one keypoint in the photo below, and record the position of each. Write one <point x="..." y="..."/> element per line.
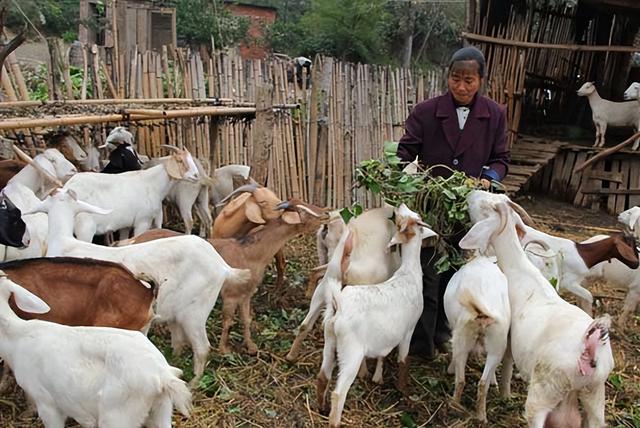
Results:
<point x="252" y="349"/>
<point x="291" y="358"/>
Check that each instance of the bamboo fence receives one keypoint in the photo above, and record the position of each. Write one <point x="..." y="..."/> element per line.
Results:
<point x="320" y="132"/>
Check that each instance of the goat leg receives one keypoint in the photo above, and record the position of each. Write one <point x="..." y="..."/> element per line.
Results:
<point x="281" y="265"/>
<point x="245" y="314"/>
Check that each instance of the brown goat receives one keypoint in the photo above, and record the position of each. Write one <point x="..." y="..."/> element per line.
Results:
<point x="252" y="251"/>
<point x="621" y="246"/>
<point x="83" y="292"/>
<point x="255" y="206"/>
<point x="9" y="168"/>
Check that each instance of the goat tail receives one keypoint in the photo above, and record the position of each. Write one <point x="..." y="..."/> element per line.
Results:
<point x="596" y="336"/>
<point x="483" y="315"/>
<point x="238" y="276"/>
<point x="179" y="394"/>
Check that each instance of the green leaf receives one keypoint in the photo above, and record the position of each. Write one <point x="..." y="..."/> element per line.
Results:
<point x="346" y="214"/>
<point x="390" y="148"/>
<point x="407" y="421"/>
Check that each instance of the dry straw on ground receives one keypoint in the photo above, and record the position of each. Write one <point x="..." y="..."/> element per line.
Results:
<point x="267" y="391"/>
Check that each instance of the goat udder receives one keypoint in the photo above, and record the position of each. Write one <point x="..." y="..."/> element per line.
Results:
<point x="587" y="362"/>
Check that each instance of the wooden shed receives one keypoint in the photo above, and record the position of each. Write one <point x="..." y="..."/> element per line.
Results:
<point x="538" y="55"/>
<point x="147" y="24"/>
<point x="539" y="52"/>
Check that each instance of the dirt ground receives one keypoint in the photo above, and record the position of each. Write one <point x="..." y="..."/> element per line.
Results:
<point x="267" y="391"/>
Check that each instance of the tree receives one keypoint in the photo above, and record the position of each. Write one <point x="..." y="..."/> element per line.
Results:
<point x="348" y="30"/>
<point x="57" y="18"/>
<point x="198" y="20"/>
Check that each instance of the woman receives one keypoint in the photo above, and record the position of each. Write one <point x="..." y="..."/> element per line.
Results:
<point x="465" y="131"/>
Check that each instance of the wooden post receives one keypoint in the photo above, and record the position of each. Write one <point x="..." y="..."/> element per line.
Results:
<point x="263" y="135"/>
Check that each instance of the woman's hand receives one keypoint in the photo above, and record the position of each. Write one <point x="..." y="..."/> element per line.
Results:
<point x="485" y="183"/>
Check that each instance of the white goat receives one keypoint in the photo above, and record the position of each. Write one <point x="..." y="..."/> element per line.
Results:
<point x="476" y="302"/>
<point x="222" y="183"/>
<point x="135" y="197"/>
<point x="631" y="219"/>
<point x="370" y="321"/>
<point x="605" y="112"/>
<point x="570" y="262"/>
<point x="185" y="193"/>
<point x="370" y="262"/>
<point x="98" y="376"/>
<point x="51" y="162"/>
<point x="557" y="347"/>
<point x="22" y="189"/>
<point x="187" y="269"/>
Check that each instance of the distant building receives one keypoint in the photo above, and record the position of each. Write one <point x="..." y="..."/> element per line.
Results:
<point x="145" y="23"/>
<point x="261" y="17"/>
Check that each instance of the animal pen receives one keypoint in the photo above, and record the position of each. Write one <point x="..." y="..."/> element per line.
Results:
<point x="306" y="141"/>
<point x="537" y="57"/>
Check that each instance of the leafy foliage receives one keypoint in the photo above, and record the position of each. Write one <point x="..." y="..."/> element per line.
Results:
<point x="52" y="17"/>
<point x="440" y="201"/>
<point x="198" y="20"/>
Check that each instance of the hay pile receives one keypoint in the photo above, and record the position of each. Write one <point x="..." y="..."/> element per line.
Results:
<point x="268" y="391"/>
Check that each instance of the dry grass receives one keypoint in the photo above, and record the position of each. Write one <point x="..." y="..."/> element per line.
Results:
<point x="268" y="391"/>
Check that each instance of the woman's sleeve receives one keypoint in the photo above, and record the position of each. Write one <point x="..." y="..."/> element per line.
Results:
<point x="498" y="164"/>
<point x="411" y="142"/>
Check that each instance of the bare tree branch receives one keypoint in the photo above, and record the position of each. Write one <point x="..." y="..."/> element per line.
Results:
<point x="7" y="48"/>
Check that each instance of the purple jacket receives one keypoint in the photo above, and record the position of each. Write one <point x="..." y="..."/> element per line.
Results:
<point x="432" y="133"/>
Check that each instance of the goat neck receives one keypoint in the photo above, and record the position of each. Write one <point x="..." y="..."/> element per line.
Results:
<point x="61" y="224"/>
<point x="410" y="260"/>
<point x="524" y="278"/>
<point x="267" y="240"/>
<point x="606" y="249"/>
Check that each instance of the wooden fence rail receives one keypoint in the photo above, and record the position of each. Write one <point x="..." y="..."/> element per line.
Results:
<point x="345" y="111"/>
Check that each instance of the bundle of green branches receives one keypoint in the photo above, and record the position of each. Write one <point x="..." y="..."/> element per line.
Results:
<point x="441" y="202"/>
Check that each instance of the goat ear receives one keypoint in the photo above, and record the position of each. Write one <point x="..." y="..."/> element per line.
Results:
<point x="253" y="212"/>
<point x="173" y="169"/>
<point x="629" y="253"/>
<point x="39" y="207"/>
<point x="346" y="254"/>
<point x="88" y="208"/>
<point x="235" y="204"/>
<point x="478" y="236"/>
<point x="291" y="217"/>
<point x="27" y="301"/>
<point x="425" y="232"/>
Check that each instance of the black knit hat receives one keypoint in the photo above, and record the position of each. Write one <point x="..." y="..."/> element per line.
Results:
<point x="469" y="54"/>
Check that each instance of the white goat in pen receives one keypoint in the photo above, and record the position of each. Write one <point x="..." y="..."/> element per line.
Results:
<point x="46" y="169"/>
<point x="135" y="197"/>
<point x="185" y="193"/>
<point x="370" y="262"/>
<point x="609" y="113"/>
<point x="476" y="302"/>
<point x="188" y="271"/>
<point x="563" y="352"/>
<point x="631" y="219"/>
<point x="98" y="376"/>
<point x="369" y="321"/>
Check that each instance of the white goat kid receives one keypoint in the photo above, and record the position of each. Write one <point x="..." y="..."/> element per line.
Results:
<point x="188" y="271"/>
<point x="98" y="376"/>
<point x="609" y="113"/>
<point x="557" y="347"/>
<point x="476" y="302"/>
<point x="631" y="219"/>
<point x="371" y="320"/>
<point x="134" y="197"/>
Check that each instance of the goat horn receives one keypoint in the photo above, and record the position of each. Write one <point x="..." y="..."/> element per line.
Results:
<point x="25" y="157"/>
<point x="170" y="147"/>
<point x="423" y="224"/>
<point x="283" y="206"/>
<point x="246" y="188"/>
<point x="526" y="218"/>
<point x="310" y="211"/>
<point x="538" y="242"/>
